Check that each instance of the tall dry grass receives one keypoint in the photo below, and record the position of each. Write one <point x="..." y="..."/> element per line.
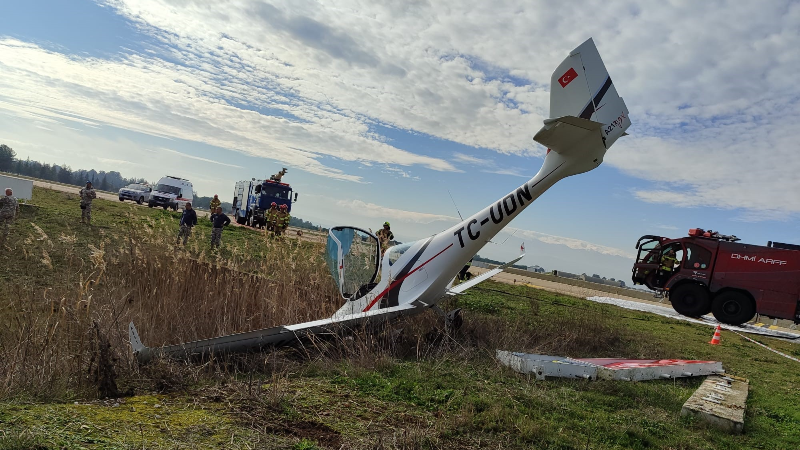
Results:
<point x="51" y="335"/>
<point x="66" y="334"/>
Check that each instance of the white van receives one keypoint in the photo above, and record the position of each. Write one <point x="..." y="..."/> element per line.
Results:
<point x="171" y="192"/>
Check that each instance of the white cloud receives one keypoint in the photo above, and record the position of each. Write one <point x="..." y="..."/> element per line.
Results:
<point x="197" y="158"/>
<point x="667" y="227"/>
<point x="575" y="244"/>
<point x="372" y="210"/>
<point x="159" y="98"/>
<point x="468" y="159"/>
<point x="711" y="86"/>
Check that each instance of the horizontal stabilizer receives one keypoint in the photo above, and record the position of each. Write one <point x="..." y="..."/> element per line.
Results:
<point x="133" y="335"/>
<point x="482" y="277"/>
<point x="568" y="133"/>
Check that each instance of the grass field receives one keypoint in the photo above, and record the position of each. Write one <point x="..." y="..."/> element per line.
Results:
<point x="68" y="291"/>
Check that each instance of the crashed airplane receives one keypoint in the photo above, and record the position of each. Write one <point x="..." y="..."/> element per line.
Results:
<point x="587" y="116"/>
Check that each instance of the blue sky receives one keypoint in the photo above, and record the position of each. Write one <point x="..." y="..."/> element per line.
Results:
<point x="379" y="110"/>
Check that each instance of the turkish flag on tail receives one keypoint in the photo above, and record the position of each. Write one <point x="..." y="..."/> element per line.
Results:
<point x="568" y="77"/>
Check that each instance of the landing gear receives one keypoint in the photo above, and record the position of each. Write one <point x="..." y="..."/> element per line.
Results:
<point x="452" y="319"/>
<point x="690" y="300"/>
<point x="734" y="308"/>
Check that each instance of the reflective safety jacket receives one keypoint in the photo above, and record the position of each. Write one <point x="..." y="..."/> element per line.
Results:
<point x="668" y="263"/>
<point x="283" y="219"/>
<point x="272" y="215"/>
<point x="215" y="202"/>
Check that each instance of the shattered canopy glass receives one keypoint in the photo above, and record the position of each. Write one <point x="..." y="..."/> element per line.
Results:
<point x="352" y="256"/>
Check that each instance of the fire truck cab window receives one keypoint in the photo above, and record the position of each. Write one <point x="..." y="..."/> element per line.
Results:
<point x="677" y="249"/>
<point x="697" y="258"/>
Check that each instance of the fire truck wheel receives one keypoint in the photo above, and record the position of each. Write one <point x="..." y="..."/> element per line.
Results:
<point x="690" y="300"/>
<point x="734" y="308"/>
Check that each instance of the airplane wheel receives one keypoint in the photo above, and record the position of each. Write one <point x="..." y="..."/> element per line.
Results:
<point x="734" y="308"/>
<point x="690" y="300"/>
<point x="454" y="319"/>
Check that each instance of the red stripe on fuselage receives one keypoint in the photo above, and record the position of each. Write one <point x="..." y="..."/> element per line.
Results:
<point x="396" y="282"/>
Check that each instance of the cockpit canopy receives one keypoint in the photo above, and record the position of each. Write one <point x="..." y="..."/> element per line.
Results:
<point x="353" y="256"/>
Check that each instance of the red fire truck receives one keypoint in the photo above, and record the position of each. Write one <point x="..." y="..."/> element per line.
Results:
<point x="710" y="272"/>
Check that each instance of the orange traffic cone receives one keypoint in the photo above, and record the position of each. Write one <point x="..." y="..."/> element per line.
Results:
<point x="717" y="336"/>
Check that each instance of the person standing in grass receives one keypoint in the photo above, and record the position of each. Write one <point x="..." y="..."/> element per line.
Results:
<point x="272" y="217"/>
<point x="282" y="222"/>
<point x="87" y="195"/>
<point x="215" y="203"/>
<point x="9" y="210"/>
<point x="218" y="220"/>
<point x="188" y="221"/>
<point x="385" y="236"/>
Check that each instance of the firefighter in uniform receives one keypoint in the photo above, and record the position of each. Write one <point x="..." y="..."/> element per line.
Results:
<point x="385" y="236"/>
<point x="272" y="216"/>
<point x="215" y="203"/>
<point x="283" y="220"/>
<point x="464" y="273"/>
<point x="668" y="262"/>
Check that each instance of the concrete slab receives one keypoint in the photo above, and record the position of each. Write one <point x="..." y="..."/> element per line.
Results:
<point x="720" y="401"/>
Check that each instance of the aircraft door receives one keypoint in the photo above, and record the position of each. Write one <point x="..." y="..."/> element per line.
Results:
<point x="647" y="260"/>
<point x="353" y="257"/>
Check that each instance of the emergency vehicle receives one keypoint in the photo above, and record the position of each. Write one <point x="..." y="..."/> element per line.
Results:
<point x="252" y="199"/>
<point x="171" y="192"/>
<point x="712" y="272"/>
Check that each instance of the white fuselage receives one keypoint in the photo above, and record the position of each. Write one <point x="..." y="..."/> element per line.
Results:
<point x="421" y="275"/>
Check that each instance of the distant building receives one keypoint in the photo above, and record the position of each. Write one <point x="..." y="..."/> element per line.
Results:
<point x="600" y="280"/>
<point x="536" y="269"/>
<point x="562" y="274"/>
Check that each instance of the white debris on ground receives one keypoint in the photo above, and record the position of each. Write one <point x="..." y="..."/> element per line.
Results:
<point x="705" y="320"/>
<point x="720" y="401"/>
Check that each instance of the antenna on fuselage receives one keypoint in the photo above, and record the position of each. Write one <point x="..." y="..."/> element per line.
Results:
<point x="454" y="204"/>
<point x="509" y="237"/>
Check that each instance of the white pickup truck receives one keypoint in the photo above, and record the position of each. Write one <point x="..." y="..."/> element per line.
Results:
<point x="136" y="192"/>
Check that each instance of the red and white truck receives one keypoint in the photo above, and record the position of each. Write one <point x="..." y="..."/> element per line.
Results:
<point x="710" y="272"/>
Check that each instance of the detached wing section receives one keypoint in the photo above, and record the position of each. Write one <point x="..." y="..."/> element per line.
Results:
<point x="583" y="103"/>
<point x="482" y="277"/>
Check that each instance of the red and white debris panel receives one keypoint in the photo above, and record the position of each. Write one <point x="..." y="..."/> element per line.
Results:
<point x="544" y="366"/>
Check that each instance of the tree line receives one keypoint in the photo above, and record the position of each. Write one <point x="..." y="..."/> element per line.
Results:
<point x="105" y="181"/>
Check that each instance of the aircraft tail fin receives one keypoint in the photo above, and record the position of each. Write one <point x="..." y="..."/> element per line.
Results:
<point x="581" y="88"/>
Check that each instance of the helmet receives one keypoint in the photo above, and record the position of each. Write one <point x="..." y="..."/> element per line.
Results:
<point x="386" y="224"/>
<point x="273" y="204"/>
<point x="284" y="207"/>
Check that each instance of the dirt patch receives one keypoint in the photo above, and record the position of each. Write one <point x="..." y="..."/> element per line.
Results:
<point x="315" y="431"/>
